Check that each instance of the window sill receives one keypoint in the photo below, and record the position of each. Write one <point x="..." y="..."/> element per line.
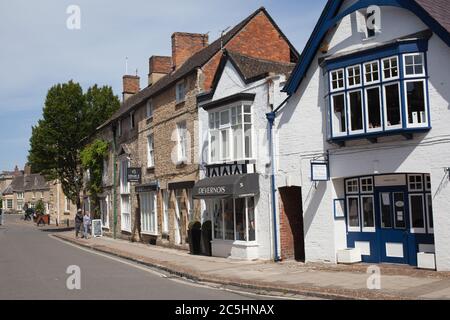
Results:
<point x="378" y="134"/>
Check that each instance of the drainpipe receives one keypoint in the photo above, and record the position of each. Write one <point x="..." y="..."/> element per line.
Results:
<point x="114" y="182"/>
<point x="271" y="118"/>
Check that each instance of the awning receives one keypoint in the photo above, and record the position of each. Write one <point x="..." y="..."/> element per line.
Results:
<point x="236" y="186"/>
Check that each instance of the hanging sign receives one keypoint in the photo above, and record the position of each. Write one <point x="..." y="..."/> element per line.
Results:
<point x="319" y="171"/>
<point x="134" y="174"/>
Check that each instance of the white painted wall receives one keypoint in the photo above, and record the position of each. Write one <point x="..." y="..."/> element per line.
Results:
<point x="303" y="130"/>
<point x="231" y="83"/>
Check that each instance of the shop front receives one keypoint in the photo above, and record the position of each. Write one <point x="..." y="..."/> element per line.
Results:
<point x="390" y="217"/>
<point x="230" y="203"/>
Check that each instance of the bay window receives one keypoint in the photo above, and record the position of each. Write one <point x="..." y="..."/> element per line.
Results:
<point x="230" y="134"/>
<point x="377" y="96"/>
<point x="234" y="219"/>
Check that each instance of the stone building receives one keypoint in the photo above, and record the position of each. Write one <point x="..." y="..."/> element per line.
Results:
<point x="156" y="129"/>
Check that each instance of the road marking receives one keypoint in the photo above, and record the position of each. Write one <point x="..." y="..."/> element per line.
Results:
<point x="172" y="277"/>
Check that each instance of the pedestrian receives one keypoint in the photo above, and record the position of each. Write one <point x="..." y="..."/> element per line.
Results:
<point x="86" y="224"/>
<point x="78" y="222"/>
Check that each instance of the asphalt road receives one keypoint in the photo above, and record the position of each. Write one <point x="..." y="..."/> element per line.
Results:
<point x="33" y="266"/>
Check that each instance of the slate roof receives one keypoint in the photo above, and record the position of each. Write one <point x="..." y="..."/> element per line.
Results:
<point x="27" y="183"/>
<point x="196" y="61"/>
<point x="439" y="10"/>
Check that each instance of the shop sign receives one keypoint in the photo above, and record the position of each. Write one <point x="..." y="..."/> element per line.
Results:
<point x="319" y="171"/>
<point x="134" y="174"/>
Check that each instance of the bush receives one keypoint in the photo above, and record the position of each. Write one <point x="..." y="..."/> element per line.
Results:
<point x="40" y="207"/>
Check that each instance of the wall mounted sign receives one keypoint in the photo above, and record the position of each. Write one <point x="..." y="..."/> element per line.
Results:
<point x="319" y="171"/>
<point x="390" y="180"/>
<point x="134" y="174"/>
<point x="97" y="228"/>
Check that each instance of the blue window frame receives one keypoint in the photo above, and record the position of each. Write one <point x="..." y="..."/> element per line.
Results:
<point x="379" y="92"/>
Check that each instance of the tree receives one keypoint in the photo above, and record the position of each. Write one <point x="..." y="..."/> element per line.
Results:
<point x="92" y="157"/>
<point x="40" y="207"/>
<point x="68" y="117"/>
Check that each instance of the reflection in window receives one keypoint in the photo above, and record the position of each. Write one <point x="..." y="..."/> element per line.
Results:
<point x="241" y="224"/>
<point x="392" y="98"/>
<point x="416" y="208"/>
<point x="356" y="113"/>
<point x="415" y="97"/>
<point x="354" y="76"/>
<point x="371" y="72"/>
<point x="339" y="119"/>
<point x="373" y="108"/>
<point x="368" y="212"/>
<point x="353" y="212"/>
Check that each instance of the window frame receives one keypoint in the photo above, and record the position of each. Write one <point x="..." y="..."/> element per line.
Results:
<point x="347" y="77"/>
<point x="343" y="79"/>
<point x="385" y="110"/>
<point x="182" y="142"/>
<point x="411" y="226"/>
<point x="383" y="77"/>
<point x="149" y="206"/>
<point x="132" y="120"/>
<point x="428" y="199"/>
<point x="150" y="151"/>
<point x="347" y="200"/>
<point x="352" y="132"/>
<point x="333" y="123"/>
<point x="149" y="107"/>
<point x="425" y="100"/>
<point x="365" y="64"/>
<point x="178" y="97"/>
<point x="366" y="109"/>
<point x="412" y="190"/>
<point x="413" y="54"/>
<point x="367" y="229"/>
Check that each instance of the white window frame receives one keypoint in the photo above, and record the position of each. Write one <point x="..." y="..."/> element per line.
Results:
<point x="427" y="180"/>
<point x="366" y="109"/>
<point x="347" y="186"/>
<point x="412" y="229"/>
<point x="180" y="96"/>
<point x="106" y="200"/>
<point x="347" y="76"/>
<point x="149" y="109"/>
<point x="150" y="151"/>
<point x="352" y="228"/>
<point x="367" y="229"/>
<point x="337" y="71"/>
<point x="20" y="195"/>
<point x="361" y="185"/>
<point x="149" y="214"/>
<point x="182" y="141"/>
<point x="428" y="198"/>
<point x="390" y="68"/>
<point x="423" y="65"/>
<point x="349" y="110"/>
<point x="125" y="192"/>
<point x="165" y="208"/>
<point x="335" y="133"/>
<point x="414" y="189"/>
<point x="422" y="124"/>
<point x="385" y="115"/>
<point x="66" y="204"/>
<point x="370" y="63"/>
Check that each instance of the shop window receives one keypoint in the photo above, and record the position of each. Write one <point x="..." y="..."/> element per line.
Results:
<point x="414" y="65"/>
<point x="390" y="68"/>
<point x="218" y="219"/>
<point x="415" y="102"/>
<point x="352" y="186"/>
<point x="241" y="221"/>
<point x="148" y="212"/>
<point x="368" y="214"/>
<point x="386" y="210"/>
<point x="373" y="109"/>
<point x="416" y="208"/>
<point x="393" y="114"/>
<point x="228" y="217"/>
<point x="367" y="185"/>
<point x="339" y="115"/>
<point x="415" y="182"/>
<point x="371" y="72"/>
<point x="337" y="80"/>
<point x="429" y="203"/>
<point x="399" y="210"/>
<point x="353" y="76"/>
<point x="251" y="219"/>
<point x="356" y="111"/>
<point x="353" y="213"/>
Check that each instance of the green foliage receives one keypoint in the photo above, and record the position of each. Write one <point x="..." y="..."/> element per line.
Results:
<point x="40" y="207"/>
<point x="92" y="157"/>
<point x="69" y="116"/>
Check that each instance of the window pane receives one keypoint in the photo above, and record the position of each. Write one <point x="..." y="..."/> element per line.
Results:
<point x="241" y="224"/>
<point x="228" y="219"/>
<point x="337" y="79"/>
<point x="368" y="212"/>
<point x="417" y="211"/>
<point x="339" y="119"/>
<point x="353" y="212"/>
<point x="430" y="211"/>
<point x="251" y="219"/>
<point x="386" y="210"/>
<point x="399" y="205"/>
<point x="356" y="113"/>
<point x="354" y="76"/>
<point x="390" y="68"/>
<point x="225" y="146"/>
<point x="238" y="148"/>
<point x="416" y="102"/>
<point x="248" y="140"/>
<point x="224" y="118"/>
<point x="371" y="72"/>
<point x="218" y="219"/>
<point x="374" y="108"/>
<point x="392" y="105"/>
<point x="214" y="146"/>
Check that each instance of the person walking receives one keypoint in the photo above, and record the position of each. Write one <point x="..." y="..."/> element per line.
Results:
<point x="78" y="222"/>
<point x="86" y="224"/>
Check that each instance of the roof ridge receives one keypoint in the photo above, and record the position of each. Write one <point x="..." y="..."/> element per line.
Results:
<point x="260" y="59"/>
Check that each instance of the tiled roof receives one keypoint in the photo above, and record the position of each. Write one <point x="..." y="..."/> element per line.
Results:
<point x="437" y="9"/>
<point x="25" y="183"/>
<point x="196" y="61"/>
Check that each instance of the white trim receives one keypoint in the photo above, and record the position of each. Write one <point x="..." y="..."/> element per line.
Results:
<point x="346" y="186"/>
<point x="382" y="68"/>
<point x="349" y="111"/>
<point x="367" y="83"/>
<point x="385" y="115"/>
<point x="347" y="77"/>
<point x="353" y="228"/>
<point x="335" y="133"/>
<point x="412" y="229"/>
<point x="404" y="65"/>
<point x="361" y="185"/>
<point x="421" y="124"/>
<point x="428" y="198"/>
<point x="150" y="151"/>
<point x="366" y="106"/>
<point x="331" y="80"/>
<point x="409" y="186"/>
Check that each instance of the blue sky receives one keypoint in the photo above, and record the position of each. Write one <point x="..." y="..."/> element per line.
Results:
<point x="39" y="51"/>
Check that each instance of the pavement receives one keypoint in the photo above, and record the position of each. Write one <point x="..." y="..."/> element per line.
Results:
<point x="315" y="280"/>
<point x="34" y="265"/>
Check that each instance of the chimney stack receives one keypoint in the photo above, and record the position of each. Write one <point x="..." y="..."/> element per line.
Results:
<point x="130" y="86"/>
<point x="158" y="68"/>
<point x="185" y="45"/>
<point x="27" y="169"/>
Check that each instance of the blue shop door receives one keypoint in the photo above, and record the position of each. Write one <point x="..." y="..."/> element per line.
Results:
<point x="392" y="224"/>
